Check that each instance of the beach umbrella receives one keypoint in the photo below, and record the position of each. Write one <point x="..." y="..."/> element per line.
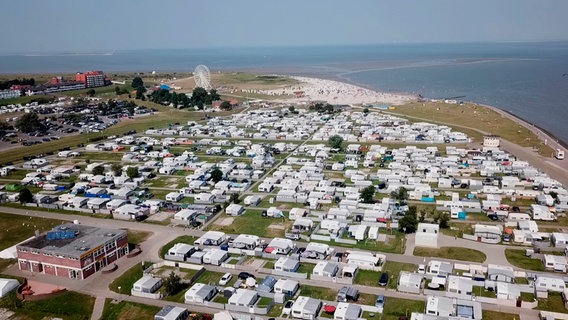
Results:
<point x="329" y="308"/>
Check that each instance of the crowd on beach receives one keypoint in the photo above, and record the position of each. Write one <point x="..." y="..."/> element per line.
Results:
<point x="335" y="92"/>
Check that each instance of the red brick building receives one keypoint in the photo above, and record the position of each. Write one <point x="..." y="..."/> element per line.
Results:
<point x="72" y="251"/>
<point x="91" y="79"/>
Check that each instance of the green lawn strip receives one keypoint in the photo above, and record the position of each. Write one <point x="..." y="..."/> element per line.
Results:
<point x="210" y="277"/>
<point x="495" y="315"/>
<point x="71" y="212"/>
<point x="180" y="239"/>
<point x="17" y="228"/>
<point x="306" y="268"/>
<point x="367" y="299"/>
<point x="527" y="296"/>
<point x="318" y="293"/>
<point x="101" y="156"/>
<point x="518" y="258"/>
<point x="126" y="310"/>
<point x="392" y="245"/>
<point x="5" y="263"/>
<point x="481" y="292"/>
<point x="458" y="229"/>
<point x="367" y="278"/>
<point x="521" y="280"/>
<point x="276" y="311"/>
<point x="454" y="253"/>
<point x="263" y="302"/>
<point x="126" y="280"/>
<point x="269" y="265"/>
<point x="136" y="236"/>
<point x="553" y="303"/>
<point x="68" y="305"/>
<point x="396" y="307"/>
<point x="393" y="269"/>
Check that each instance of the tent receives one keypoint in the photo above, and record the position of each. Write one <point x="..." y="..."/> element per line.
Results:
<point x="7" y="286"/>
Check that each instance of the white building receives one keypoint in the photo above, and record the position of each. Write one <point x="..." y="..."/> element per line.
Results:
<point x="427" y="235"/>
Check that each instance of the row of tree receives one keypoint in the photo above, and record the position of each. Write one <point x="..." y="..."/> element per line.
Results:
<point x="8" y="83"/>
<point x="199" y="97"/>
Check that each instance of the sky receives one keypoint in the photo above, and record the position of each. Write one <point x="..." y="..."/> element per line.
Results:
<point x="103" y="25"/>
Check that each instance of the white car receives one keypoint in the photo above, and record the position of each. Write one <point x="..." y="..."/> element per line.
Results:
<point x="225" y="279"/>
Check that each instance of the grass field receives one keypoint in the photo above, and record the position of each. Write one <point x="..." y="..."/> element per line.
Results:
<point x="252" y="223"/>
<point x="367" y="278"/>
<point x="69" y="305"/>
<point x="519" y="260"/>
<point x="396" y="307"/>
<point x="16" y="228"/>
<point x="126" y="310"/>
<point x="5" y="263"/>
<point x="470" y="115"/>
<point x="553" y="303"/>
<point x="454" y="253"/>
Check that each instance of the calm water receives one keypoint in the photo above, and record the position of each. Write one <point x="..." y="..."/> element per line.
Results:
<point x="523" y="78"/>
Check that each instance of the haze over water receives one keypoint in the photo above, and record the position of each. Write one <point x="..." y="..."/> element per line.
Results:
<point x="525" y="79"/>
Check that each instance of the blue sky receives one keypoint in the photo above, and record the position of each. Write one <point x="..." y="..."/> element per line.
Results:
<point x="102" y="25"/>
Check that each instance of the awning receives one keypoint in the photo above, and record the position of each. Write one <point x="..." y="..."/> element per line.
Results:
<point x="269" y="249"/>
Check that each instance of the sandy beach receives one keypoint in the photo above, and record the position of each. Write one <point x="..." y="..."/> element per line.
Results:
<point x="336" y="92"/>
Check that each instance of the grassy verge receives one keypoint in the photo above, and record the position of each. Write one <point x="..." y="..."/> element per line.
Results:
<point x="16" y="228"/>
<point x="454" y="253"/>
<point x="5" y="263"/>
<point x="518" y="259"/>
<point x="318" y="292"/>
<point x="126" y="310"/>
<point x="137" y="237"/>
<point x="69" y="305"/>
<point x="494" y="315"/>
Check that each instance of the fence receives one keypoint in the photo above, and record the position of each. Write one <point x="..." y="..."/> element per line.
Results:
<point x="155" y="296"/>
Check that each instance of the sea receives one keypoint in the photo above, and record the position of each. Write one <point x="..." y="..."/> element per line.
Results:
<point x="527" y="79"/>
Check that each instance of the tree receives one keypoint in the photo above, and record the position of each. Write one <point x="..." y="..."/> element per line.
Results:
<point x="116" y="169"/>
<point x="172" y="284"/>
<point x="26" y="196"/>
<point x="335" y="141"/>
<point x="225" y="105"/>
<point x="29" y="122"/>
<point x="117" y="90"/>
<point x="199" y="97"/>
<point x="291" y="109"/>
<point x="409" y="222"/>
<point x="137" y="83"/>
<point x="91" y="92"/>
<point x="368" y="194"/>
<point x="234" y="198"/>
<point x="402" y="194"/>
<point x="4" y="126"/>
<point x="98" y="170"/>
<point x="444" y="220"/>
<point x="132" y="172"/>
<point x="366" y="111"/>
<point x="216" y="175"/>
<point x="213" y="96"/>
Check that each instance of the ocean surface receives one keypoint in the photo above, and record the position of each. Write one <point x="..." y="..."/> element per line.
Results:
<point x="526" y="79"/>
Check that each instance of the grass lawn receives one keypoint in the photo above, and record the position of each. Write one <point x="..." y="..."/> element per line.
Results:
<point x="481" y="292"/>
<point x="455" y="253"/>
<point x="5" y="263"/>
<point x="552" y="303"/>
<point x="318" y="292"/>
<point x="69" y="305"/>
<point x="527" y="296"/>
<point x="458" y="229"/>
<point x="269" y="265"/>
<point x="517" y="258"/>
<point x="253" y="223"/>
<point x="394" y="268"/>
<point x="126" y="280"/>
<point x="101" y="156"/>
<point x="137" y="237"/>
<point x="126" y="310"/>
<point x="276" y="311"/>
<point x="306" y="268"/>
<point x="181" y="239"/>
<point x="494" y="315"/>
<point x="211" y="277"/>
<point x="395" y="307"/>
<point x="367" y="299"/>
<point x="484" y="119"/>
<point x="16" y="228"/>
<point x="392" y="245"/>
<point x="368" y="278"/>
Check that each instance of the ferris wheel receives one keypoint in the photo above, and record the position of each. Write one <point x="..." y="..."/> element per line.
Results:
<point x="202" y="77"/>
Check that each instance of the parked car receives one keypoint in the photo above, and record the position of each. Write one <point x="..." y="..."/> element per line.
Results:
<point x="287" y="308"/>
<point x="245" y="275"/>
<point x="384" y="279"/>
<point x="380" y="302"/>
<point x="225" y="279"/>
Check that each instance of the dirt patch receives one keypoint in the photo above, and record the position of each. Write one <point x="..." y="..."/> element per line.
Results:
<point x="284" y="207"/>
<point x="277" y="226"/>
<point x="224" y="222"/>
